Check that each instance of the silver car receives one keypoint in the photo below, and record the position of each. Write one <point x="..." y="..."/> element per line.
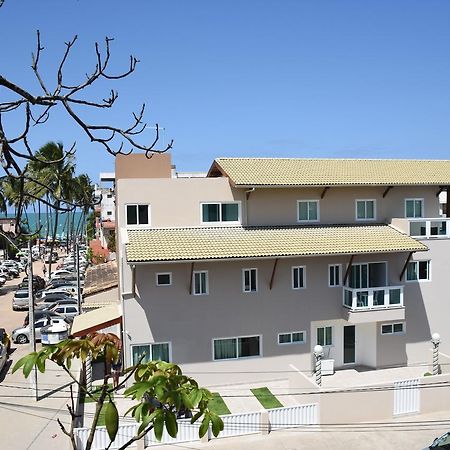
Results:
<point x="21" y="335"/>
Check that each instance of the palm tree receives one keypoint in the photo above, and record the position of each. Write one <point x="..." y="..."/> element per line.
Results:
<point x="83" y="195"/>
<point x="55" y="169"/>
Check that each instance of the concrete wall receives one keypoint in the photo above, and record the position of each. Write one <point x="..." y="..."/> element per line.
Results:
<point x="191" y="322"/>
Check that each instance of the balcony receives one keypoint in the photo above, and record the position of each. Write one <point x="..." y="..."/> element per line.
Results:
<point x="421" y="228"/>
<point x="373" y="304"/>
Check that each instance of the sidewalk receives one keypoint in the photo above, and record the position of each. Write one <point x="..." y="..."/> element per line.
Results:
<point x="30" y="424"/>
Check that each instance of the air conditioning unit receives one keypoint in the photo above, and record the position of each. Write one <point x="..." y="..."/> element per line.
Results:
<point x="327" y="366"/>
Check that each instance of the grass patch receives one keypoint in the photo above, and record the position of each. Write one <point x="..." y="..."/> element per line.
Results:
<point x="217" y="405"/>
<point x="266" y="398"/>
<point x="96" y="394"/>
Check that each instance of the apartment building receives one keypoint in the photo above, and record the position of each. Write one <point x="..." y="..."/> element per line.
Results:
<point x="254" y="264"/>
<point x="105" y="211"/>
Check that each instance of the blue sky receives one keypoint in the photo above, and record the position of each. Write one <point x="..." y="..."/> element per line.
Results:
<point x="252" y="78"/>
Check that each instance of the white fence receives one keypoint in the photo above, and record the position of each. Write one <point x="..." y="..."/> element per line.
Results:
<point x="101" y="438"/>
<point x="293" y="416"/>
<point x="238" y="424"/>
<point x="406" y="396"/>
<point x="234" y="425"/>
<point x="187" y="432"/>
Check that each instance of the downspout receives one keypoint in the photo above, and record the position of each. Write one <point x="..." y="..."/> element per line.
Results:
<point x="247" y="195"/>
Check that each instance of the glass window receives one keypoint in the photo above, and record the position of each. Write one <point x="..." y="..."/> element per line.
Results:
<point x="308" y="210"/>
<point x="138" y="215"/>
<point x="365" y="209"/>
<point x="200" y="283"/>
<point x="210" y="212"/>
<point x="225" y="348"/>
<point x="151" y="352"/>
<point x="220" y="212"/>
<point x="325" y="336"/>
<point x="296" y="337"/>
<point x="414" y="207"/>
<point x="248" y="346"/>
<point x="230" y="212"/>
<point x="163" y="279"/>
<point x="250" y="280"/>
<point x="334" y="275"/>
<point x="393" y="328"/>
<point x="298" y="277"/>
<point x="418" y="271"/>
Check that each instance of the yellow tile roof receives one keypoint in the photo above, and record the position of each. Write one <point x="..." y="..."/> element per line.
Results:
<point x="247" y="172"/>
<point x="190" y="244"/>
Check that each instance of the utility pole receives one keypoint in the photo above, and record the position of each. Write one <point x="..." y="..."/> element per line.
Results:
<point x="31" y="317"/>
<point x="77" y="265"/>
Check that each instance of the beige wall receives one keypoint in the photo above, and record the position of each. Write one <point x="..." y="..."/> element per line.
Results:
<point x="137" y="165"/>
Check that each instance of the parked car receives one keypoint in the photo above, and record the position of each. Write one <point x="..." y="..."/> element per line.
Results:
<point x="5" y="339"/>
<point x="38" y="315"/>
<point x="51" y="304"/>
<point x="441" y="442"/>
<point x="68" y="311"/>
<point x="20" y="300"/>
<point x="53" y="257"/>
<point x="39" y="281"/>
<point x="70" y="289"/>
<point x="13" y="272"/>
<point x="21" y="335"/>
<point x="51" y="296"/>
<point x="3" y="356"/>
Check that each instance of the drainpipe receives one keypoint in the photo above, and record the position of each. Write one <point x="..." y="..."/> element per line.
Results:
<point x="247" y="195"/>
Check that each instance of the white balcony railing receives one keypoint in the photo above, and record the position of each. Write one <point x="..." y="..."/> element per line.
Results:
<point x="387" y="297"/>
<point x="429" y="228"/>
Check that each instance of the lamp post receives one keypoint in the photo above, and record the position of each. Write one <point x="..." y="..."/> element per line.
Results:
<point x="318" y="353"/>
<point x="31" y="316"/>
<point x="435" y="340"/>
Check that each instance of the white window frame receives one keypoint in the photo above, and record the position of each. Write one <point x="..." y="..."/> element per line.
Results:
<point x="291" y="333"/>
<point x="237" y="347"/>
<point x="365" y="200"/>
<point x="423" y="207"/>
<point x="220" y="221"/>
<point x="293" y="268"/>
<point x="392" y="332"/>
<point x="151" y="350"/>
<point x="419" y="280"/>
<point x="308" y="220"/>
<point x="340" y="275"/>
<point x="199" y="272"/>
<point x="250" y="291"/>
<point x="163" y="273"/>
<point x="332" y="336"/>
<point x="138" y="225"/>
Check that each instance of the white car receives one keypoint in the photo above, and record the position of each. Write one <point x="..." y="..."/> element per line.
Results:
<point x="3" y="356"/>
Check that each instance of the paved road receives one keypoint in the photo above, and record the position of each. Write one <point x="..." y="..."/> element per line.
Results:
<point x="25" y="423"/>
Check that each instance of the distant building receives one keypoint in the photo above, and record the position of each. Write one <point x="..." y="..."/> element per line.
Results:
<point x="105" y="223"/>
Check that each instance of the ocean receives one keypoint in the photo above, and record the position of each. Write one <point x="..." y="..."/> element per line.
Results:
<point x="31" y="219"/>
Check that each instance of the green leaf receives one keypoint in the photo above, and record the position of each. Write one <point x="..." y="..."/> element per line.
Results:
<point x="171" y="424"/>
<point x="195" y="397"/>
<point x="21" y="362"/>
<point x="28" y="366"/>
<point x="217" y="424"/>
<point x="40" y="362"/>
<point x="138" y="412"/>
<point x="186" y="400"/>
<point x="111" y="420"/>
<point x="159" y="425"/>
<point x="204" y="426"/>
<point x="196" y="416"/>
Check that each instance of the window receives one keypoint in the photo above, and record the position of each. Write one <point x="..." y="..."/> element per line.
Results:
<point x="296" y="337"/>
<point x="220" y="212"/>
<point x="138" y="214"/>
<point x="308" y="210"/>
<point x="365" y="209"/>
<point x="151" y="352"/>
<point x="109" y="213"/>
<point x="236" y="347"/>
<point x="298" y="277"/>
<point x="418" y="271"/>
<point x="250" y="280"/>
<point x="200" y="283"/>
<point x="325" y="336"/>
<point x="393" y="328"/>
<point x="164" y="279"/>
<point x="334" y="275"/>
<point x="108" y="195"/>
<point x="71" y="309"/>
<point x="414" y="207"/>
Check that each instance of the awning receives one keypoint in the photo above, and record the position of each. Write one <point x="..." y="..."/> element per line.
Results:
<point x="215" y="243"/>
<point x="96" y="320"/>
